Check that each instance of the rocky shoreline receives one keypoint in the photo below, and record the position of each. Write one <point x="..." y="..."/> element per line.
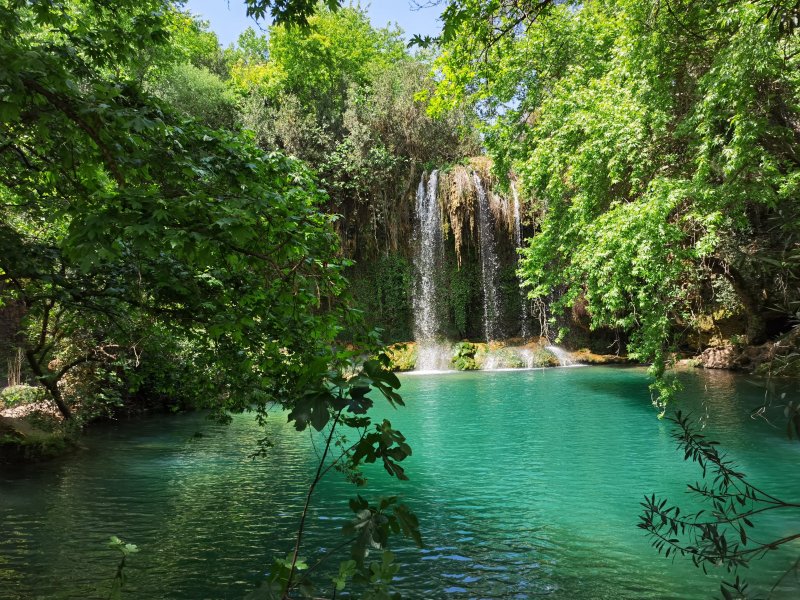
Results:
<point x="776" y="357"/>
<point x="779" y="357"/>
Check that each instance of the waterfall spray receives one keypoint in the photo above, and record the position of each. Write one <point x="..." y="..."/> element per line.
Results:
<point x="428" y="258"/>
<point x="490" y="265"/>
<point x="525" y="315"/>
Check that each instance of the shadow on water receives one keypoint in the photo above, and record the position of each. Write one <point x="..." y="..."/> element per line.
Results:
<point x="525" y="483"/>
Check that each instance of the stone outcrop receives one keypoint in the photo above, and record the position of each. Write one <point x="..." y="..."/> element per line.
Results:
<point x="752" y="358"/>
<point x="718" y="358"/>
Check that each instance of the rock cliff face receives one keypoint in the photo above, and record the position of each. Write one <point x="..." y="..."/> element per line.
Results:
<point x="471" y="289"/>
<point x="776" y="356"/>
<point x="463" y="275"/>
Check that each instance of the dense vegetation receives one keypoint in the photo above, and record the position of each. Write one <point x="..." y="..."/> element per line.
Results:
<point x="156" y="252"/>
<point x="658" y="141"/>
<point x="136" y="238"/>
<point x="149" y="218"/>
<point x="177" y="220"/>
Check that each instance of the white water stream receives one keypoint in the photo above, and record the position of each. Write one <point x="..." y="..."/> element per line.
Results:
<point x="429" y="255"/>
<point x="490" y="264"/>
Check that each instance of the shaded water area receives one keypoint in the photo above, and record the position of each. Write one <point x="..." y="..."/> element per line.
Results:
<point x="526" y="483"/>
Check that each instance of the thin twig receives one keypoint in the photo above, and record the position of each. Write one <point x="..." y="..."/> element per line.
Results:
<point x="301" y="528"/>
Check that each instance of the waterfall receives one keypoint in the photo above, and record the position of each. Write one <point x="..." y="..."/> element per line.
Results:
<point x="525" y="315"/>
<point x="428" y="258"/>
<point x="527" y="356"/>
<point x="564" y="358"/>
<point x="490" y="265"/>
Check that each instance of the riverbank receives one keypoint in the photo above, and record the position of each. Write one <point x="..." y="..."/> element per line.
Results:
<point x="466" y="355"/>
<point x="779" y="357"/>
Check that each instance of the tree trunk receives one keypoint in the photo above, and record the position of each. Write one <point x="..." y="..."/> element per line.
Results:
<point x="749" y="298"/>
<point x="50" y="383"/>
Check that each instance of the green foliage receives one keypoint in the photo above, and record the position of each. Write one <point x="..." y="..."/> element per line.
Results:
<point x="198" y="93"/>
<point x="125" y="550"/>
<point x="463" y="293"/>
<point x="164" y="257"/>
<point x="342" y="47"/>
<point x="656" y="146"/>
<point x="289" y="12"/>
<point x="464" y="356"/>
<point x="162" y="225"/>
<point x="340" y="94"/>
<point x="720" y="536"/>
<point x="341" y="402"/>
<point x="16" y="395"/>
<point x="372" y="525"/>
<point x="370" y="530"/>
<point x="403" y="357"/>
<point x="382" y="290"/>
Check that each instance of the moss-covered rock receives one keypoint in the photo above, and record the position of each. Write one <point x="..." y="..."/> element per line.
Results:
<point x="542" y="357"/>
<point x="403" y="356"/>
<point x="34" y="449"/>
<point x="464" y="356"/>
<point x="31" y="440"/>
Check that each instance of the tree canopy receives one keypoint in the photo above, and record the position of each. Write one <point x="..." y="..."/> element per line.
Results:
<point x="124" y="223"/>
<point x="658" y="141"/>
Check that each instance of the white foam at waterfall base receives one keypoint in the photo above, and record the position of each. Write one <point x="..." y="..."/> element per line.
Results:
<point x="564" y="358"/>
<point x="492" y="362"/>
<point x="433" y="358"/>
<point x="509" y="359"/>
<point x="527" y="355"/>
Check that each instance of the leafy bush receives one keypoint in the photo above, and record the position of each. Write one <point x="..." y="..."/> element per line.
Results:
<point x="464" y="357"/>
<point x="199" y="93"/>
<point x="20" y="394"/>
<point x="403" y="357"/>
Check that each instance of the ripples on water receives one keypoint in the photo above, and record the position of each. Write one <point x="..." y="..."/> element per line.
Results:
<point x="527" y="484"/>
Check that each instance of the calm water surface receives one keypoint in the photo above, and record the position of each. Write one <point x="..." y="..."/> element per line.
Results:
<point x="526" y="483"/>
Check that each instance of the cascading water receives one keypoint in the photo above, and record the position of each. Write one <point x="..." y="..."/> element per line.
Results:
<point x="429" y="254"/>
<point x="525" y="316"/>
<point x="490" y="265"/>
<point x="564" y="358"/>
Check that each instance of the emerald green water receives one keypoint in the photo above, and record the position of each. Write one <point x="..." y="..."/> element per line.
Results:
<point x="527" y="483"/>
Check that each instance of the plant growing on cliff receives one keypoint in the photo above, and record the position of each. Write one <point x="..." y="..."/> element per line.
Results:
<point x="464" y="356"/>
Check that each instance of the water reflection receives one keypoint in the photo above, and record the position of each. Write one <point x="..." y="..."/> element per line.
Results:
<point x="526" y="483"/>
